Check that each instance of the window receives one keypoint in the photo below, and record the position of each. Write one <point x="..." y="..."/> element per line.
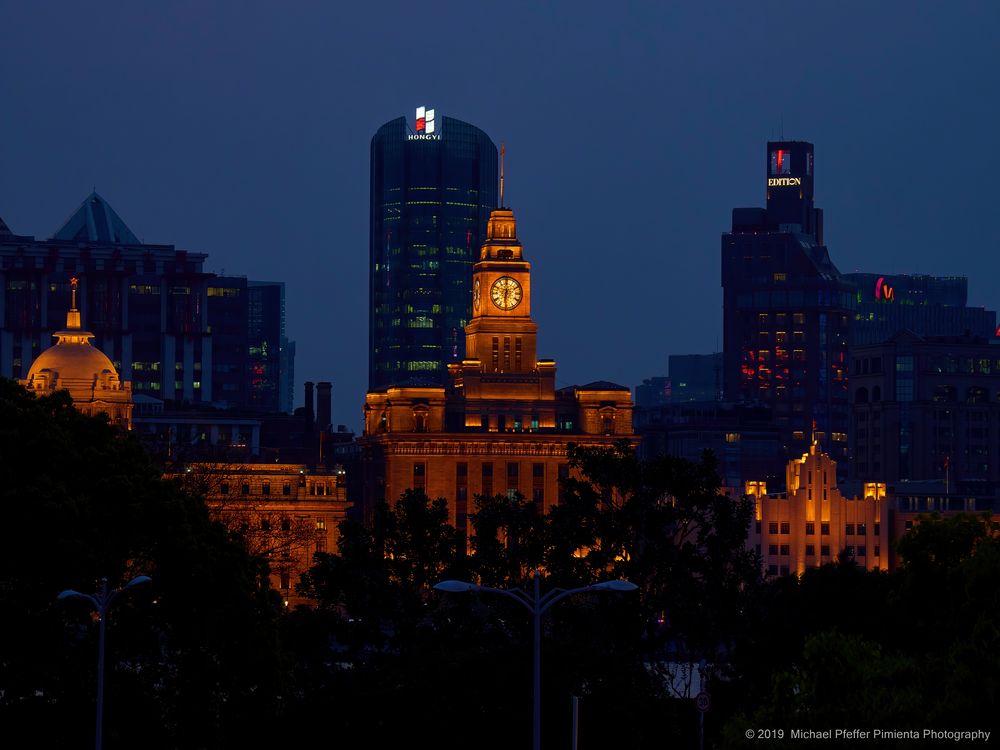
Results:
<point x="849" y="529"/>
<point x="286" y="488"/>
<point x="538" y="470"/>
<point x="862" y="529"/>
<point x="877" y="550"/>
<point x="876" y="529"/>
<point x="265" y="488"/>
<point x="824" y="529"/>
<point x="824" y="550"/>
<point x="908" y="525"/>
<point x="245" y="488"/>
<point x="286" y="580"/>
<point x="772" y="570"/>
<point x="265" y="525"/>
<point x="785" y="528"/>
<point x="286" y="524"/>
<point x="224" y="488"/>
<point x="772" y="528"/>
<point x="811" y="549"/>
<point x="861" y="550"/>
<point x="810" y="529"/>
<point x="320" y="524"/>
<point x="784" y="549"/>
<point x="772" y="549"/>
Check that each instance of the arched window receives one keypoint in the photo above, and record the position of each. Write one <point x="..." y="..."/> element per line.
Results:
<point x="861" y="396"/>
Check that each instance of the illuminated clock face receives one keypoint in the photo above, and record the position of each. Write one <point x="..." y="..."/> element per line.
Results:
<point x="476" y="293"/>
<point x="506" y="293"/>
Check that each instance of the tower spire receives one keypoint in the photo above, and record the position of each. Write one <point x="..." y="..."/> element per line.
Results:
<point x="73" y="316"/>
<point x="502" y="149"/>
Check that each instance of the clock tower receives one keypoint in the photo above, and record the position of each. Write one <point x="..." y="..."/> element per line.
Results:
<point x="501" y="334"/>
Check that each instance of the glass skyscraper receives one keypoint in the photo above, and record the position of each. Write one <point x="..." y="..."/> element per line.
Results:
<point x="433" y="185"/>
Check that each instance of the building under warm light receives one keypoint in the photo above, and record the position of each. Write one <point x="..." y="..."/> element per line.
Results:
<point x="812" y="522"/>
<point x="75" y="365"/>
<point x="501" y="426"/>
<point x="286" y="513"/>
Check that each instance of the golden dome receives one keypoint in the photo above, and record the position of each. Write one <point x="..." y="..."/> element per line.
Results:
<point x="76" y="365"/>
<point x="73" y="358"/>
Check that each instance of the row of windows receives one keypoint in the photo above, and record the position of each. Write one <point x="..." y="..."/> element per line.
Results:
<point x="315" y="488"/>
<point x="824" y="550"/>
<point x="851" y="529"/>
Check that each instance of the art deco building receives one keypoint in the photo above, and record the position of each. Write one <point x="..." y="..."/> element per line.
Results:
<point x="812" y="522"/>
<point x="433" y="185"/>
<point x="75" y="365"/>
<point x="500" y="426"/>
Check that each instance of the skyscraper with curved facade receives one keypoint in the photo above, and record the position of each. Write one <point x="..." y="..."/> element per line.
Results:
<point x="433" y="185"/>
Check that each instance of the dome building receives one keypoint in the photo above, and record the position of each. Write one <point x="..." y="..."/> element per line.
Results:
<point x="74" y="364"/>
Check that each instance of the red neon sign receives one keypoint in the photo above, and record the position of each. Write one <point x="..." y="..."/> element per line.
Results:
<point x="884" y="291"/>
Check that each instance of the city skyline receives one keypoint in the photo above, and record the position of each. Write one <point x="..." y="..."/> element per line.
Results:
<point x="633" y="121"/>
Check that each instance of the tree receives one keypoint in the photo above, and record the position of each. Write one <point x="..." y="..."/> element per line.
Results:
<point x="190" y="660"/>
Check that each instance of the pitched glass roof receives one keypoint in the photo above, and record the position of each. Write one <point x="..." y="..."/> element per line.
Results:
<point x="96" y="221"/>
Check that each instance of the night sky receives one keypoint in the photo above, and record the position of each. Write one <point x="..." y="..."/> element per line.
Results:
<point x="242" y="129"/>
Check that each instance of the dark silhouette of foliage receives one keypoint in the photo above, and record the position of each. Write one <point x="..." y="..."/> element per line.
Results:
<point x="188" y="657"/>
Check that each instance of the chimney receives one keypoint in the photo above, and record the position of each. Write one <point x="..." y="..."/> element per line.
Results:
<point x="310" y="406"/>
<point x="324" y="405"/>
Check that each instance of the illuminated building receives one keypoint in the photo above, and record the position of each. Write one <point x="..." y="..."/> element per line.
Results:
<point x="432" y="189"/>
<point x="501" y="426"/>
<point x="927" y="409"/>
<point x="148" y="306"/>
<point x="76" y="366"/>
<point x="811" y="523"/>
<point x="285" y="512"/>
<point x="786" y="310"/>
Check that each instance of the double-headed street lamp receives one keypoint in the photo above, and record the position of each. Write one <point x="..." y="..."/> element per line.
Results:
<point x="101" y="603"/>
<point x="536" y="603"/>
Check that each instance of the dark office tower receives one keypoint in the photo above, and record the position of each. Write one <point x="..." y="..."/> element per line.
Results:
<point x="433" y="185"/>
<point x="786" y="310"/>
<point x="228" y="309"/>
<point x="270" y="350"/>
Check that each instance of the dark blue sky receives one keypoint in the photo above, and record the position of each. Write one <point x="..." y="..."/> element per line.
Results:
<point x="242" y="129"/>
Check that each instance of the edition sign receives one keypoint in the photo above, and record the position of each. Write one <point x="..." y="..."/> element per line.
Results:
<point x="783" y="181"/>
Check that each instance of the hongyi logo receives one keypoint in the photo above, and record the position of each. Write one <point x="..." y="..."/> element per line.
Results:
<point x="425" y="126"/>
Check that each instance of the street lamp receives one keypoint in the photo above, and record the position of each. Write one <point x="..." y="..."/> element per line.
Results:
<point x="101" y="603"/>
<point x="538" y="604"/>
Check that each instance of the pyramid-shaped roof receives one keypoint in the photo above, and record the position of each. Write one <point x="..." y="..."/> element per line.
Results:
<point x="96" y="221"/>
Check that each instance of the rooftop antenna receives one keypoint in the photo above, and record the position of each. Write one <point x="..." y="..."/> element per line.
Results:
<point x="502" y="149"/>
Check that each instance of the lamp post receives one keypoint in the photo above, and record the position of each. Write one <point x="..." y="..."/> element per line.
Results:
<point x="100" y="603"/>
<point x="538" y="604"/>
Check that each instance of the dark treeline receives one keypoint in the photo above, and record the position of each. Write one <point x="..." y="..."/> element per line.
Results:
<point x="206" y="657"/>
